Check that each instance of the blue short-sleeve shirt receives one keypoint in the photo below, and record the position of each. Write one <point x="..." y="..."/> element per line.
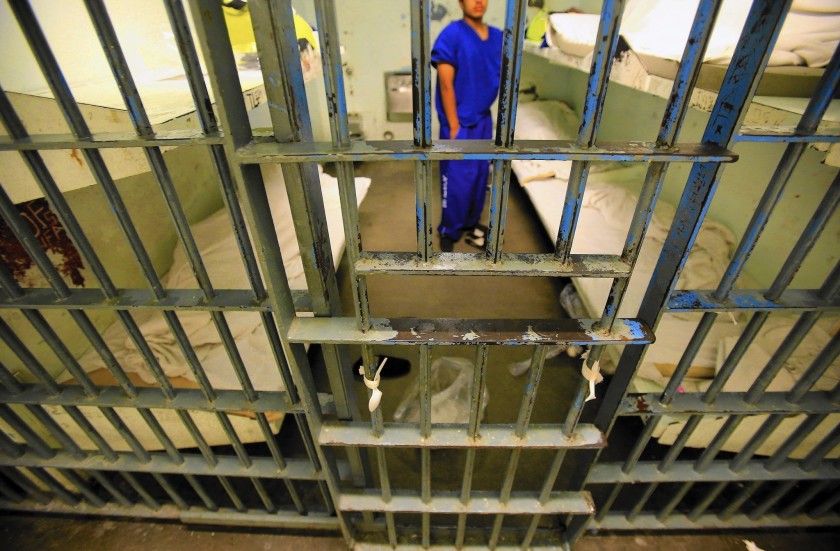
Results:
<point x="477" y="65"/>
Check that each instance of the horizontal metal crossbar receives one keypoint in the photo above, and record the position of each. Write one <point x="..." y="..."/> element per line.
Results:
<point x="725" y="403"/>
<point x="480" y="503"/>
<point x="194" y="515"/>
<point x="786" y="134"/>
<point x="538" y="265"/>
<point x="160" y="462"/>
<point x="456" y="436"/>
<point x="447" y="331"/>
<point x="718" y="471"/>
<point x="270" y="151"/>
<point x="649" y="521"/>
<point x="103" y="140"/>
<point x="241" y="300"/>
<point x="751" y="300"/>
<point x="153" y="398"/>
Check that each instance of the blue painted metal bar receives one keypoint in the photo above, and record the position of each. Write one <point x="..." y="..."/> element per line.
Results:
<point x="751" y="300"/>
<point x="786" y="134"/>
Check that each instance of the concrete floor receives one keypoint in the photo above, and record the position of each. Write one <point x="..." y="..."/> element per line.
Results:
<point x="387" y="223"/>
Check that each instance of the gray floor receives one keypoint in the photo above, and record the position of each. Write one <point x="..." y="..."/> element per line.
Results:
<point x="387" y="219"/>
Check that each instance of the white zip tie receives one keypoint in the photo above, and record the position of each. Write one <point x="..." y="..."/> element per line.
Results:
<point x="376" y="395"/>
<point x="591" y="374"/>
<point x="732" y="317"/>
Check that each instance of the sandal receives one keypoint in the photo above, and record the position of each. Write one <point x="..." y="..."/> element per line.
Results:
<point x="477" y="237"/>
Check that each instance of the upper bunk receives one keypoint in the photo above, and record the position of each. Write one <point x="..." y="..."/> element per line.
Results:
<point x="654" y="35"/>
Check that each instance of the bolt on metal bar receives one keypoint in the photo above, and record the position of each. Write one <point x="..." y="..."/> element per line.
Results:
<point x="224" y="79"/>
<point x="779" y="491"/>
<point x="512" y="45"/>
<point x="803" y="498"/>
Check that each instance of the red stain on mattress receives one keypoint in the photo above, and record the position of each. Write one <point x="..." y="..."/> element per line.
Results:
<point x="75" y="154"/>
<point x="53" y="238"/>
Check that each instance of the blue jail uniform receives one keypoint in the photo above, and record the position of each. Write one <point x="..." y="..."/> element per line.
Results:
<point x="477" y="66"/>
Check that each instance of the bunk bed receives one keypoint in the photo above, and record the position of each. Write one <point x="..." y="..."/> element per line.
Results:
<point x="607" y="207"/>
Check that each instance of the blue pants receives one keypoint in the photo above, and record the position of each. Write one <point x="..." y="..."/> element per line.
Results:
<point x="463" y="183"/>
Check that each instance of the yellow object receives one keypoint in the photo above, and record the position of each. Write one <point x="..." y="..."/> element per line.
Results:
<point x="241" y="32"/>
<point x="538" y="26"/>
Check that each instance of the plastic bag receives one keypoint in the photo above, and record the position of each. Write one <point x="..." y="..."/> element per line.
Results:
<point x="451" y="383"/>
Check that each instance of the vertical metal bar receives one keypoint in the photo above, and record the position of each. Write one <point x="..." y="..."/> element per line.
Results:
<point x="229" y="431"/>
<point x="596" y="93"/>
<point x="512" y="45"/>
<point x="32" y="364"/>
<point x="91" y="432"/>
<point x="24" y="483"/>
<point x="170" y="491"/>
<point x="666" y="511"/>
<point x="54" y="486"/>
<point x="201" y="492"/>
<point x="425" y="432"/>
<point x="33" y="441"/>
<point x="9" y="447"/>
<point x="728" y="368"/>
<point x="161" y="435"/>
<point x="82" y="487"/>
<point x="545" y="493"/>
<point x="264" y="497"/>
<point x="760" y="436"/>
<point x="421" y="93"/>
<point x="203" y="446"/>
<point x="803" y="498"/>
<point x="742" y="497"/>
<point x="806" y="241"/>
<point x="816" y="370"/>
<point x="807" y="427"/>
<point x="688" y="356"/>
<point x="676" y="448"/>
<point x="122" y="429"/>
<point x="602" y="510"/>
<point x="801" y="328"/>
<point x="707" y="500"/>
<point x="711" y="451"/>
<point x="115" y="492"/>
<point x="826" y="506"/>
<point x="816" y="455"/>
<point x="231" y="492"/>
<point x="641" y="443"/>
<point x="10" y="493"/>
<point x="642" y="501"/>
<point x="778" y="493"/>
<point x="151" y="502"/>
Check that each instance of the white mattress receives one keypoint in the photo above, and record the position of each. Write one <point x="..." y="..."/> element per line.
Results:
<point x="222" y="259"/>
<point x="660" y="28"/>
<point x="606" y="212"/>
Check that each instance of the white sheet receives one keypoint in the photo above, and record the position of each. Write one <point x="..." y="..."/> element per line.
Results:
<point x="605" y="217"/>
<point x="660" y="28"/>
<point x="222" y="259"/>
